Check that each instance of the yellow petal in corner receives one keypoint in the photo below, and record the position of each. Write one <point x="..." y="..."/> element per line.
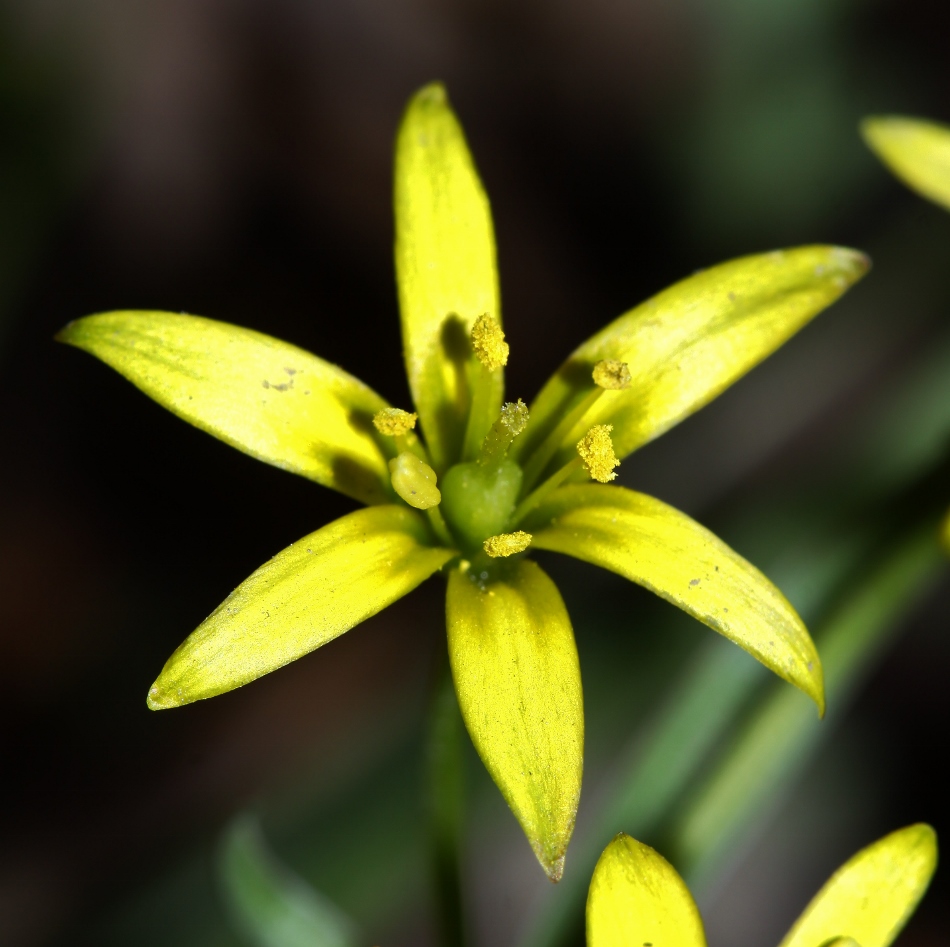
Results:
<point x="872" y="895"/>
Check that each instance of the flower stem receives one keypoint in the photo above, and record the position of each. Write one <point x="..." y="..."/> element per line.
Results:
<point x="439" y="526"/>
<point x="537" y="462"/>
<point x="536" y="497"/>
<point x="482" y="412"/>
<point x="446" y="792"/>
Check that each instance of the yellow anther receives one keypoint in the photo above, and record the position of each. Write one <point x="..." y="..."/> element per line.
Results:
<point x="612" y="375"/>
<point x="507" y="544"/>
<point x="394" y="421"/>
<point x="489" y="343"/>
<point x="597" y="452"/>
<point x="414" y="480"/>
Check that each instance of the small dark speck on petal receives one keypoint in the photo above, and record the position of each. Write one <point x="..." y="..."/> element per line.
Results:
<point x="811" y="665"/>
<point x="694" y="582"/>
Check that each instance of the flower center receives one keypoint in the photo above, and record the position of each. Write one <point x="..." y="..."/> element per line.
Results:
<point x="478" y="499"/>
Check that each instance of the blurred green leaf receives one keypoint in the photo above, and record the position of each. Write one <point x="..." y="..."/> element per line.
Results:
<point x="271" y="905"/>
<point x="781" y="735"/>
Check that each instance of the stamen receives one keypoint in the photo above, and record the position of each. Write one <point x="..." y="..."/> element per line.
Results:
<point x="513" y="420"/>
<point x="612" y="375"/>
<point x="415" y="481"/>
<point x="394" y="422"/>
<point x="507" y="544"/>
<point x="597" y="452"/>
<point x="489" y="343"/>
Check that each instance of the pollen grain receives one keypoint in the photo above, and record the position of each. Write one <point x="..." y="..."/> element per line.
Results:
<point x="597" y="452"/>
<point x="612" y="374"/>
<point x="507" y="544"/>
<point x="489" y="343"/>
<point x="394" y="421"/>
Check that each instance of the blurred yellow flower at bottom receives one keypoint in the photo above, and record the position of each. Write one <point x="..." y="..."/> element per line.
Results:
<point x="637" y="897"/>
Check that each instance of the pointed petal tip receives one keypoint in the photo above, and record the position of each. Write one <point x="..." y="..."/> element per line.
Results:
<point x="64" y="334"/>
<point x="553" y="869"/>
<point x="925" y="835"/>
<point x="432" y="94"/>
<point x="855" y="263"/>
<point x="160" y="699"/>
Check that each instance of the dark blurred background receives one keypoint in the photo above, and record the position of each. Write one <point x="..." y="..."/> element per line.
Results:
<point x="232" y="158"/>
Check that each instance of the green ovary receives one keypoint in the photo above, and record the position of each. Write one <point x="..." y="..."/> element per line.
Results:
<point x="477" y="500"/>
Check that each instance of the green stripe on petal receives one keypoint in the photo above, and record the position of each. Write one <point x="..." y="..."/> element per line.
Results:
<point x="518" y="682"/>
<point x="445" y="270"/>
<point x="686" y="345"/>
<point x="665" y="551"/>
<point x="871" y="896"/>
<point x="917" y="151"/>
<point x="637" y="898"/>
<point x="269" y="399"/>
<point x="307" y="595"/>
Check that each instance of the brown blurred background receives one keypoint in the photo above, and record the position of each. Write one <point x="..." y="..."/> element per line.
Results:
<point x="232" y="158"/>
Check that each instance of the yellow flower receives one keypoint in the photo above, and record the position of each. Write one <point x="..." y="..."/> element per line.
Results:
<point x="486" y="480"/>
<point x="636" y="897"/>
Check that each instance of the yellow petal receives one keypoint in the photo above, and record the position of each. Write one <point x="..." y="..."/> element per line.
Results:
<point x="637" y="898"/>
<point x="445" y="269"/>
<point x="871" y="896"/>
<point x="664" y="550"/>
<point x="269" y="399"/>
<point x="304" y="597"/>
<point x="686" y="345"/>
<point x="917" y="151"/>
<point x="518" y="682"/>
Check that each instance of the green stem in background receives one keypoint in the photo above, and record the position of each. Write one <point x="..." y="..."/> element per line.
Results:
<point x="446" y="793"/>
<point x="781" y="736"/>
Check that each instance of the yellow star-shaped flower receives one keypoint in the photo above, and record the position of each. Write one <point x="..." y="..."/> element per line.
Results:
<point x="482" y="483"/>
<point x="637" y="898"/>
